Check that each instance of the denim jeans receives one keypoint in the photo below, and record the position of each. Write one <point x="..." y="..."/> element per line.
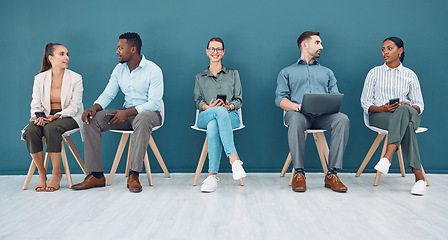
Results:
<point x="219" y="124"/>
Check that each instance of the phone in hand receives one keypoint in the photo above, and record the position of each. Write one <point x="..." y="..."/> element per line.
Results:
<point x="40" y="114"/>
<point x="393" y="100"/>
<point x="222" y="97"/>
<point x="108" y="117"/>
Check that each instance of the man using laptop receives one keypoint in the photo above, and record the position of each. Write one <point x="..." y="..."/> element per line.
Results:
<point x="308" y="76"/>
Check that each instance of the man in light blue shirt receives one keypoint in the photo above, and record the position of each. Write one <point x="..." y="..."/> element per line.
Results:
<point x="141" y="82"/>
<point x="308" y="76"/>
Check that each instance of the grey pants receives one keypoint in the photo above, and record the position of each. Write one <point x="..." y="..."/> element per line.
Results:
<point x="401" y="126"/>
<point x="141" y="124"/>
<point x="298" y="123"/>
<point x="52" y="132"/>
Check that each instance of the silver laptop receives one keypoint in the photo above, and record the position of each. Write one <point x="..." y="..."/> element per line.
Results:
<point x="321" y="103"/>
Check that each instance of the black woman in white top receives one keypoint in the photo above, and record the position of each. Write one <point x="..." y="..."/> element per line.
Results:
<point x="391" y="81"/>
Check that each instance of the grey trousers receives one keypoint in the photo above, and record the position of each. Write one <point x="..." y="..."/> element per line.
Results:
<point x="141" y="124"/>
<point x="337" y="123"/>
<point x="401" y="126"/>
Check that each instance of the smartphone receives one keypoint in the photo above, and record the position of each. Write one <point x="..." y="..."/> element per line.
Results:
<point x="222" y="97"/>
<point x="393" y="100"/>
<point x="40" y="114"/>
<point x="108" y="117"/>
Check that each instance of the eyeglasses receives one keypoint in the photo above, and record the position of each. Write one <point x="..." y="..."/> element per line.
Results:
<point x="216" y="49"/>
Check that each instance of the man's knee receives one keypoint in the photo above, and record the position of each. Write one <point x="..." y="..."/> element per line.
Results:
<point x="295" y="120"/>
<point x="342" y="121"/>
<point x="146" y="120"/>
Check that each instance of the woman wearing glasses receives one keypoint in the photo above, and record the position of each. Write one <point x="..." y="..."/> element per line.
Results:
<point x="217" y="95"/>
<point x="394" y="101"/>
<point x="56" y="108"/>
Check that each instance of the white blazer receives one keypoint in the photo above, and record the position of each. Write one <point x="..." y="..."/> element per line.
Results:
<point x="71" y="96"/>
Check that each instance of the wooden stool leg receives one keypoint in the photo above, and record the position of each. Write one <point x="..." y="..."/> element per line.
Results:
<point x="68" y="140"/>
<point x="159" y="158"/>
<point x="286" y="165"/>
<point x="46" y="160"/>
<point x="66" y="167"/>
<point x="378" y="173"/>
<point x="204" y="152"/>
<point x="128" y="160"/>
<point x="292" y="176"/>
<point x="121" y="145"/>
<point x="369" y="155"/>
<point x="424" y="175"/>
<point x="29" y="175"/>
<point x="148" y="169"/>
<point x="319" y="139"/>
<point x="33" y="167"/>
<point x="400" y="161"/>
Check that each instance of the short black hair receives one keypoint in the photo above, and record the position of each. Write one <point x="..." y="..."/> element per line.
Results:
<point x="399" y="44"/>
<point x="304" y="36"/>
<point x="133" y="39"/>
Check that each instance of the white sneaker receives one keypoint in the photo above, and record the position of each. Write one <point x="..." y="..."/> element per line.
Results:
<point x="419" y="188"/>
<point x="210" y="184"/>
<point x="237" y="170"/>
<point x="383" y="165"/>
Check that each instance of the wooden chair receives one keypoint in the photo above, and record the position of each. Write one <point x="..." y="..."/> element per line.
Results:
<point x="124" y="137"/>
<point x="68" y="140"/>
<point x="204" y="151"/>
<point x="322" y="150"/>
<point x="382" y="134"/>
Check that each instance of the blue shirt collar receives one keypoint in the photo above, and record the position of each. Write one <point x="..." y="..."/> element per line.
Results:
<point x="301" y="61"/>
<point x="142" y="63"/>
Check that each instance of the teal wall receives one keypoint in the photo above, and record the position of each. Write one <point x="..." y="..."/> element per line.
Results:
<point x="260" y="38"/>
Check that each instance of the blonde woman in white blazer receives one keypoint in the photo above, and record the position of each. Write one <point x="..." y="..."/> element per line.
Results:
<point x="57" y="92"/>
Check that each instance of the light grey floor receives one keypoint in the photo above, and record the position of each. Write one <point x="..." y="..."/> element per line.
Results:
<point x="265" y="208"/>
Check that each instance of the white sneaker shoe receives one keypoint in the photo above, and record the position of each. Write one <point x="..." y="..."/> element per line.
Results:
<point x="383" y="165"/>
<point x="419" y="188"/>
<point x="210" y="184"/>
<point x="237" y="170"/>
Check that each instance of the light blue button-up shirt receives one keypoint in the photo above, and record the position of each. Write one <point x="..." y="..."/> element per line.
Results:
<point x="300" y="78"/>
<point x="142" y="88"/>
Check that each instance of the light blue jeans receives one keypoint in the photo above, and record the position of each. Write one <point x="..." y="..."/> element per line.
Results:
<point x="219" y="124"/>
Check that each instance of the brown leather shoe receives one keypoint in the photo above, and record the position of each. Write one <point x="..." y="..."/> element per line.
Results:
<point x="332" y="181"/>
<point x="90" y="182"/>
<point x="299" y="183"/>
<point x="134" y="184"/>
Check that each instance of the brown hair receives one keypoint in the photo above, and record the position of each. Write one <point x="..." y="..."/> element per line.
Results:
<point x="216" y="39"/>
<point x="304" y="36"/>
<point x="48" y="50"/>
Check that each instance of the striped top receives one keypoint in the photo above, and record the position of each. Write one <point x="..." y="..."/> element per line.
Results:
<point x="383" y="83"/>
